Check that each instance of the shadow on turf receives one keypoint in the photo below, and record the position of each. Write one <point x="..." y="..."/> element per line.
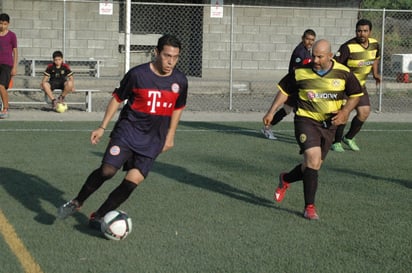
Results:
<point x="405" y="183"/>
<point x="183" y="175"/>
<point x="31" y="191"/>
<point x="238" y="130"/>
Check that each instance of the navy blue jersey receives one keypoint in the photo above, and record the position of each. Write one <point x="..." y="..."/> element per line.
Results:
<point x="151" y="99"/>
<point x="300" y="56"/>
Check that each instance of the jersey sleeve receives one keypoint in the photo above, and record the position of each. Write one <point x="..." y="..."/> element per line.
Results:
<point x="181" y="100"/>
<point x="122" y="93"/>
<point x="342" y="55"/>
<point x="48" y="70"/>
<point x="353" y="87"/>
<point x="67" y="70"/>
<point x="287" y="84"/>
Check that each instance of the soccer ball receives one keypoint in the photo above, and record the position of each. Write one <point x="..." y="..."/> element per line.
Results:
<point x="116" y="225"/>
<point x="61" y="107"/>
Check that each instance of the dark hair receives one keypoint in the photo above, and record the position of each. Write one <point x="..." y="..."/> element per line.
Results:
<point x="309" y="32"/>
<point x="364" y="22"/>
<point x="57" y="53"/>
<point x="4" y="17"/>
<point x="170" y="40"/>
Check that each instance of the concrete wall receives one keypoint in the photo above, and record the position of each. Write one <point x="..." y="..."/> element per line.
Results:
<point x="263" y="37"/>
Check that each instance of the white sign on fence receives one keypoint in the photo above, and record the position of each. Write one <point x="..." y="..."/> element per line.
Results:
<point x="106" y="7"/>
<point x="216" y="8"/>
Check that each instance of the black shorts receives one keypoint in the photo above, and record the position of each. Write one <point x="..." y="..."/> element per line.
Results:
<point x="118" y="154"/>
<point x="310" y="133"/>
<point x="5" y="75"/>
<point x="57" y="85"/>
<point x="364" y="99"/>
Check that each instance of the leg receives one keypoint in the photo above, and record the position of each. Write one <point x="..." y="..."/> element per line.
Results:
<point x="119" y="195"/>
<point x="46" y="87"/>
<point x="313" y="162"/>
<point x="337" y="144"/>
<point x="362" y="113"/>
<point x="93" y="182"/>
<point x="4" y="97"/>
<point x="68" y="88"/>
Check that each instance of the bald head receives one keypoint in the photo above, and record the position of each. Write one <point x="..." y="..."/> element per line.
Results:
<point x="322" y="55"/>
<point x="322" y="45"/>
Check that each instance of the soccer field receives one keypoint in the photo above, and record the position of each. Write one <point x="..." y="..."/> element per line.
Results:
<point x="207" y="205"/>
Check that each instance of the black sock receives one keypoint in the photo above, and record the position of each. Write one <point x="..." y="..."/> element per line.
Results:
<point x="116" y="197"/>
<point x="339" y="133"/>
<point x="310" y="185"/>
<point x="94" y="181"/>
<point x="294" y="175"/>
<point x="279" y="115"/>
<point x="355" y="127"/>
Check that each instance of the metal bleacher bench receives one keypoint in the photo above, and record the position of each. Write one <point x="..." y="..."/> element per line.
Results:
<point x="90" y="67"/>
<point x="87" y="103"/>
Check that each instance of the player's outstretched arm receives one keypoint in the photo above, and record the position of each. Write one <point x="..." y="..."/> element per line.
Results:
<point x="108" y="115"/>
<point x="170" y="138"/>
<point x="277" y="102"/>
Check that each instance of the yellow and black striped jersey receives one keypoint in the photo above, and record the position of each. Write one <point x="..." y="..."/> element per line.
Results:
<point x="320" y="95"/>
<point x="357" y="58"/>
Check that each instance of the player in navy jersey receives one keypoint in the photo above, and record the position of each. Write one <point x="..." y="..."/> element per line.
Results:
<point x="321" y="87"/>
<point x="156" y="95"/>
<point x="361" y="54"/>
<point x="57" y="75"/>
<point x="301" y="55"/>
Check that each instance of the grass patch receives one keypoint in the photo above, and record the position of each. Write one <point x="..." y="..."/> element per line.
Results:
<point x="207" y="205"/>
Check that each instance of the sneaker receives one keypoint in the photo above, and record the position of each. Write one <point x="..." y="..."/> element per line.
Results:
<point x="337" y="147"/>
<point x="60" y="99"/>
<point x="351" y="143"/>
<point x="68" y="209"/>
<point x="281" y="189"/>
<point x="267" y="132"/>
<point x="4" y="114"/>
<point x="310" y="213"/>
<point x="95" y="222"/>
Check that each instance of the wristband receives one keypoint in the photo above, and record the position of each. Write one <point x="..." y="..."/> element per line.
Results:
<point x="102" y="127"/>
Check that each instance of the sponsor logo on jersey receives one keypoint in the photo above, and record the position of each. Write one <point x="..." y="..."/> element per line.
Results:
<point x="312" y="95"/>
<point x="365" y="63"/>
<point x="158" y="102"/>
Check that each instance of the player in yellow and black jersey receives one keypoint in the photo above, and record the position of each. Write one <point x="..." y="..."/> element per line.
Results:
<point x="321" y="87"/>
<point x="361" y="54"/>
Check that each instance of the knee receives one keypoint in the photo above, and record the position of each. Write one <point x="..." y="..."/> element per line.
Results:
<point x="107" y="171"/>
<point x="363" y="113"/>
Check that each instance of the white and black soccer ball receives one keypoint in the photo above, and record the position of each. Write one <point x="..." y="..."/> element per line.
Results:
<point x="116" y="225"/>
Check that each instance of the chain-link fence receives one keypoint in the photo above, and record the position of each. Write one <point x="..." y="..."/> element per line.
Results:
<point x="233" y="57"/>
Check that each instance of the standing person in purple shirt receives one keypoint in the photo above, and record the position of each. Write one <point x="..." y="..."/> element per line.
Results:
<point x="156" y="95"/>
<point x="301" y="55"/>
<point x="8" y="61"/>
